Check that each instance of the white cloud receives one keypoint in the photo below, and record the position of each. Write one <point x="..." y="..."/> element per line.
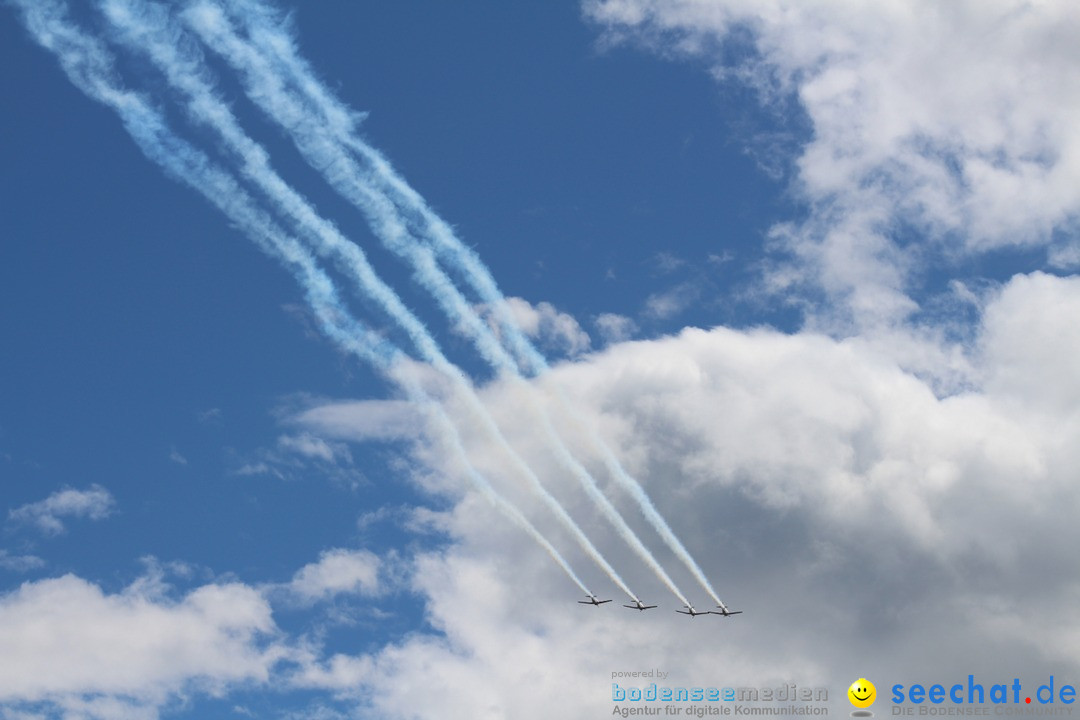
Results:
<point x="95" y="504"/>
<point x="176" y="457"/>
<point x="339" y="673"/>
<point x="671" y="302"/>
<point x="19" y="563"/>
<point x="614" y="327"/>
<point x="260" y="468"/>
<point x="363" y="420"/>
<point x="85" y="653"/>
<point x="847" y="507"/>
<point x="312" y="447"/>
<point x="211" y="416"/>
<point x="936" y="130"/>
<point x="556" y="331"/>
<point x="304" y="452"/>
<point x="666" y="262"/>
<point x="70" y="649"/>
<point x="1032" y="343"/>
<point x="337" y="571"/>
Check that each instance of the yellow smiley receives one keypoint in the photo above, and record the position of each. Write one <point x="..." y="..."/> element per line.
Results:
<point x="862" y="693"/>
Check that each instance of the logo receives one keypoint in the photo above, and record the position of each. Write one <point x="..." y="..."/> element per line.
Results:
<point x="862" y="694"/>
<point x="972" y="694"/>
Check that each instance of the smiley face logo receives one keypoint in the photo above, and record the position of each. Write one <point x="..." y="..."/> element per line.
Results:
<point x="862" y="693"/>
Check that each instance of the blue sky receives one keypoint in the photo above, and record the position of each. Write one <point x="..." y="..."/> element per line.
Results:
<point x="809" y="275"/>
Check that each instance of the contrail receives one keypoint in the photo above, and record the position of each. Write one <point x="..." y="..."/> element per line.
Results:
<point x="323" y="149"/>
<point x="265" y="31"/>
<point x="321" y="152"/>
<point x="151" y="32"/>
<point x="90" y="67"/>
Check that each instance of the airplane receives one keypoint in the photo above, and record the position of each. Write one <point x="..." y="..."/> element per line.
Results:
<point x="592" y="600"/>
<point x="725" y="612"/>
<point x="694" y="613"/>
<point x="638" y="605"/>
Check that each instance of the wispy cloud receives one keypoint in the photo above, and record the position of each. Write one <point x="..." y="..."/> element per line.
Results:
<point x="212" y="416"/>
<point x="667" y="262"/>
<point x="337" y="572"/>
<point x="555" y="330"/>
<point x="671" y="302"/>
<point x="95" y="503"/>
<point x="614" y="327"/>
<point x="293" y="455"/>
<point x="362" y="420"/>
<point x="310" y="446"/>
<point x="19" y="563"/>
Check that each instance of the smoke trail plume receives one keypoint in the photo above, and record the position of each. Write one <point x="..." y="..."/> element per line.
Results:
<point x="89" y="66"/>
<point x="323" y="148"/>
<point x="147" y="28"/>
<point x="265" y="30"/>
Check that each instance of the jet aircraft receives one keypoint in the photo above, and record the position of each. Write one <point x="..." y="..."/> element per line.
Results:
<point x="638" y="605"/>
<point x="592" y="600"/>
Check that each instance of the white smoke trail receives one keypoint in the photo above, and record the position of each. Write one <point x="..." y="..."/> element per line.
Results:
<point x="89" y="65"/>
<point x="147" y="28"/>
<point x="265" y="30"/>
<point x="323" y="149"/>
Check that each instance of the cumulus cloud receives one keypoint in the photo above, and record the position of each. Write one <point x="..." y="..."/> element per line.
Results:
<point x="337" y="571"/>
<point x="850" y="509"/>
<point x="936" y="132"/>
<point x="96" y="503"/>
<point x="71" y="649"/>
<point x="614" y="327"/>
<point x="341" y="674"/>
<point x="1030" y="343"/>
<point x="76" y="650"/>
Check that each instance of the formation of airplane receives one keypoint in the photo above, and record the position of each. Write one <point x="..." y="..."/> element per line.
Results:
<point x="638" y="605"/>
